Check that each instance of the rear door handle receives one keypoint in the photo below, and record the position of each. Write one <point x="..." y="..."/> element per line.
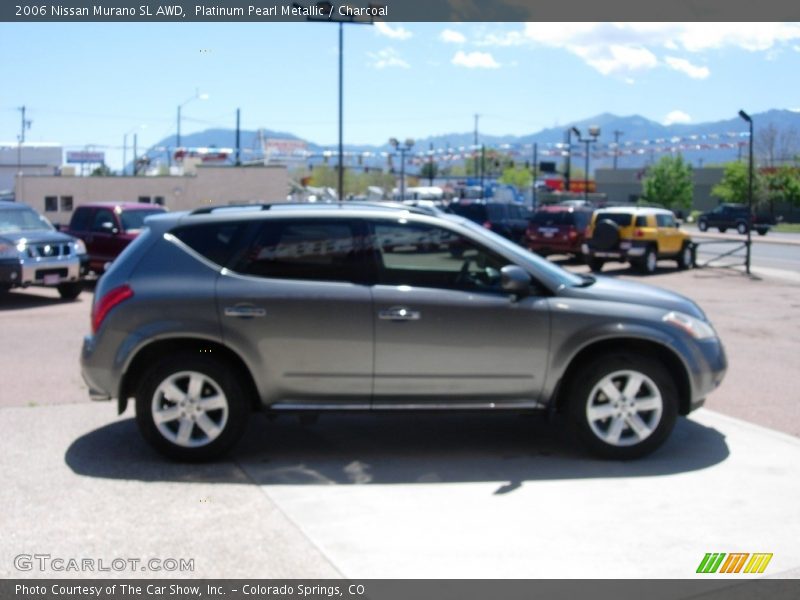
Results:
<point x="399" y="313"/>
<point x="244" y="311"/>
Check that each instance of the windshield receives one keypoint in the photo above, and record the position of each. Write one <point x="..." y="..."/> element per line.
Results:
<point x="22" y="219"/>
<point x="537" y="262"/>
<point x="134" y="219"/>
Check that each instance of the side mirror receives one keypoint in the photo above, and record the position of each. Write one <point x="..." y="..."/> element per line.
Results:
<point x="515" y="280"/>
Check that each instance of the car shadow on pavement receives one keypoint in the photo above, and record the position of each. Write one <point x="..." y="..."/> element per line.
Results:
<point x="393" y="449"/>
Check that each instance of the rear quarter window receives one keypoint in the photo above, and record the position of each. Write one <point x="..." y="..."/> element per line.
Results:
<point x="621" y="219"/>
<point x="216" y="242"/>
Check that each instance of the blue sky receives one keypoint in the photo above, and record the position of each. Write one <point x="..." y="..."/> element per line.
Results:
<point x="89" y="84"/>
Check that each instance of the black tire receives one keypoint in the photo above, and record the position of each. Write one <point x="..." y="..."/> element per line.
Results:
<point x="216" y="377"/>
<point x="702" y="225"/>
<point x="741" y="228"/>
<point x="69" y="291"/>
<point x="595" y="264"/>
<point x="657" y="389"/>
<point x="722" y="229"/>
<point x="685" y="259"/>
<point x="648" y="263"/>
<point x="605" y="235"/>
<point x="762" y="230"/>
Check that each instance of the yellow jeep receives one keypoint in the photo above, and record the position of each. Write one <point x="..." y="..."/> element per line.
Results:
<point x="639" y="235"/>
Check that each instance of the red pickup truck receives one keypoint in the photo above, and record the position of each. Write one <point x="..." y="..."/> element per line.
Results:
<point x="107" y="228"/>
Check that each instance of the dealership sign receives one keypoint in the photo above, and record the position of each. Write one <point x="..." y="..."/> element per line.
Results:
<point x="84" y="157"/>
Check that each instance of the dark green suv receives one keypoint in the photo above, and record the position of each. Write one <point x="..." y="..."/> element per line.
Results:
<point x="734" y="216"/>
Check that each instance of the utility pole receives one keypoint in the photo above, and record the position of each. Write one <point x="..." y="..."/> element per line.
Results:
<point x="23" y="126"/>
<point x="534" y="166"/>
<point x="430" y="164"/>
<point x="617" y="133"/>
<point x="135" y="156"/>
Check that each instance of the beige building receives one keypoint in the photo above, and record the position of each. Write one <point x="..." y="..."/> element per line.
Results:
<point x="56" y="196"/>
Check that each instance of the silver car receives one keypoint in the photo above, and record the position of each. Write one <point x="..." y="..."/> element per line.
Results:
<point x="211" y="314"/>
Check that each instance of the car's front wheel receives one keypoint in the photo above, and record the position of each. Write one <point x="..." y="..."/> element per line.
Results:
<point x="191" y="407"/>
<point x="741" y="228"/>
<point x="686" y="257"/>
<point x="623" y="406"/>
<point x="595" y="264"/>
<point x="702" y="225"/>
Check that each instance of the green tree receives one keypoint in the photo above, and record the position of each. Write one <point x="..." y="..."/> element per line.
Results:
<point x="102" y="171"/>
<point x="783" y="185"/>
<point x="519" y="177"/>
<point x="735" y="185"/>
<point x="669" y="183"/>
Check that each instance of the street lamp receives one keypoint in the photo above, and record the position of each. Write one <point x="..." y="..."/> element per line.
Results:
<point x="594" y="132"/>
<point x="568" y="160"/>
<point x="402" y="149"/>
<point x="125" y="147"/>
<point x="325" y="8"/>
<point x="197" y="96"/>
<point x="749" y="120"/>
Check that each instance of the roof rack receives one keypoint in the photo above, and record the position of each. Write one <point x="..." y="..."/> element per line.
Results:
<point x="347" y="204"/>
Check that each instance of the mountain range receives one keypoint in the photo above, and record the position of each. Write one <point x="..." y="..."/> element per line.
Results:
<point x="641" y="140"/>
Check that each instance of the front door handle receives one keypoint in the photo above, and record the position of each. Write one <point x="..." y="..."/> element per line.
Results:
<point x="244" y="311"/>
<point x="399" y="313"/>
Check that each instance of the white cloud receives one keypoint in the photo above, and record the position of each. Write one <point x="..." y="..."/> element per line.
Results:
<point x="452" y="37"/>
<point x="684" y="66"/>
<point x="677" y="116"/>
<point x="475" y="60"/>
<point x="617" y="59"/>
<point x="385" y="59"/>
<point x="620" y="48"/>
<point x="395" y="33"/>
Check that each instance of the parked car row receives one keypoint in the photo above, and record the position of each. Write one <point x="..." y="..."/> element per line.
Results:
<point x="33" y="252"/>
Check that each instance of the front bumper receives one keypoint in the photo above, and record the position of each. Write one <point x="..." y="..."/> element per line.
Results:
<point x="709" y="367"/>
<point x="43" y="271"/>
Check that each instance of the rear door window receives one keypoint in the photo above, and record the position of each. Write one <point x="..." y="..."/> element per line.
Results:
<point x="309" y="249"/>
<point x="80" y="220"/>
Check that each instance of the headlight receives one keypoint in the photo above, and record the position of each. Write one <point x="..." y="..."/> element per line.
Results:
<point x="80" y="247"/>
<point x="696" y="328"/>
<point x="10" y="250"/>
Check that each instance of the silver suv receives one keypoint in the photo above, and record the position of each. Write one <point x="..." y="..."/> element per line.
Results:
<point x="287" y="307"/>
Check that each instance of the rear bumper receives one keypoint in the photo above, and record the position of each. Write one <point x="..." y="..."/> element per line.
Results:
<point x="625" y="251"/>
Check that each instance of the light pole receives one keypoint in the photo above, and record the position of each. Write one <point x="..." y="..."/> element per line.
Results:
<point x="594" y="132"/>
<point x="197" y="96"/>
<point x="326" y="8"/>
<point x="749" y="120"/>
<point x="125" y="147"/>
<point x="568" y="160"/>
<point x="402" y="149"/>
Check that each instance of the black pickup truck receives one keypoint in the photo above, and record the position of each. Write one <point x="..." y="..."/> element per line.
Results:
<point x="735" y="216"/>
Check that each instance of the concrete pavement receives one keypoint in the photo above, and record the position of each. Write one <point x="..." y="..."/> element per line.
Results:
<point x="405" y="496"/>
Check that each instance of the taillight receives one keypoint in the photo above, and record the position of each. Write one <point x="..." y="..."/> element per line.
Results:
<point x="101" y="309"/>
<point x="573" y="235"/>
<point x="487" y="224"/>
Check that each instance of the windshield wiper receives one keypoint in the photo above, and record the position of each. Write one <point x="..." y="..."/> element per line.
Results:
<point x="587" y="280"/>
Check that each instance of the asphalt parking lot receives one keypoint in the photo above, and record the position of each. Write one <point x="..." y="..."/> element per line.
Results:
<point x="408" y="496"/>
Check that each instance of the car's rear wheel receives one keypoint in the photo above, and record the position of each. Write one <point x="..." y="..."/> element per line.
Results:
<point x="191" y="408"/>
<point x="686" y="257"/>
<point x="69" y="291"/>
<point x="595" y="264"/>
<point x="622" y="406"/>
<point x="702" y="225"/>
<point x="722" y="229"/>
<point x="648" y="263"/>
<point x="762" y="230"/>
<point x="741" y="228"/>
